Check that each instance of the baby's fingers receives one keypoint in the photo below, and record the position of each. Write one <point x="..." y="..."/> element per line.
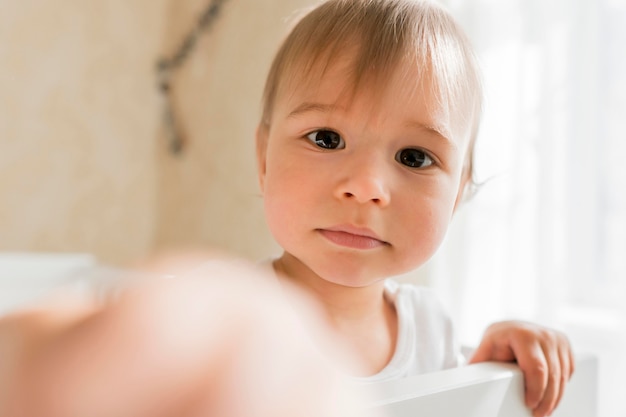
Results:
<point x="567" y="368"/>
<point x="534" y="365"/>
<point x="552" y="370"/>
<point x="554" y="383"/>
<point x="559" y="377"/>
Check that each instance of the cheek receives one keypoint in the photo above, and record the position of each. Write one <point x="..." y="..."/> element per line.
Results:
<point x="425" y="235"/>
<point x="286" y="197"/>
<point x="429" y="214"/>
<point x="279" y="216"/>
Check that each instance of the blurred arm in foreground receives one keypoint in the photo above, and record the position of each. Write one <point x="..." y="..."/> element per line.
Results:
<point x="222" y="342"/>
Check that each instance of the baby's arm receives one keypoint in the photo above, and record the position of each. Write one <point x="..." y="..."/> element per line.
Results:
<point x="544" y="356"/>
<point x="204" y="345"/>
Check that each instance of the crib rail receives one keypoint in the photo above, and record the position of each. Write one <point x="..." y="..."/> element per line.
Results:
<point x="24" y="277"/>
<point x="482" y="390"/>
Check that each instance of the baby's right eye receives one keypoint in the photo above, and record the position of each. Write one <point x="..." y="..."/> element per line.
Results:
<point x="326" y="139"/>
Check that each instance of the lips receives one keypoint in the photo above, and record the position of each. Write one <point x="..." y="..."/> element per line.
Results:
<point x="353" y="237"/>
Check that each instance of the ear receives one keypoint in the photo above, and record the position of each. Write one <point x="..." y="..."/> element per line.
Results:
<point x="262" y="133"/>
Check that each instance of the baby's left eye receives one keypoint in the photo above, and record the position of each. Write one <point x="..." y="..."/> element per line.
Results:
<point x="414" y="158"/>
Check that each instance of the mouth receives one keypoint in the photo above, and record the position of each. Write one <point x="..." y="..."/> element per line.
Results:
<point x="353" y="237"/>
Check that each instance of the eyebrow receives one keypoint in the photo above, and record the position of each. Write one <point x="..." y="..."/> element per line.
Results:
<point x="313" y="107"/>
<point x="440" y="132"/>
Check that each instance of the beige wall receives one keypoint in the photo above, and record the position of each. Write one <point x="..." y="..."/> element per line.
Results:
<point x="83" y="161"/>
<point x="77" y="126"/>
<point x="210" y="194"/>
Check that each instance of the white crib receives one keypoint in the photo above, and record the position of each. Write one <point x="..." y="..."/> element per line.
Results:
<point x="482" y="390"/>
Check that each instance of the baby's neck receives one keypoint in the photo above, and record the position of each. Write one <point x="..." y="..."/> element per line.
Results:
<point x="361" y="317"/>
<point x="341" y="303"/>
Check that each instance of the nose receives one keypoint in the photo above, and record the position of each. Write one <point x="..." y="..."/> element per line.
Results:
<point x="364" y="181"/>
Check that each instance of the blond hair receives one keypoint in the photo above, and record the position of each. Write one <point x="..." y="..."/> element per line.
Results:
<point x="386" y="34"/>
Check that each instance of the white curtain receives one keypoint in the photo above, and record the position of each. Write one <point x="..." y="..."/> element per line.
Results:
<point x="545" y="237"/>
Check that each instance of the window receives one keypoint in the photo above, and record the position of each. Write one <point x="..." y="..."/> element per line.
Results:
<point x="545" y="238"/>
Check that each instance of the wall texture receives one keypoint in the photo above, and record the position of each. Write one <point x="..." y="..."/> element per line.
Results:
<point x="84" y="165"/>
<point x="209" y="195"/>
<point x="77" y="126"/>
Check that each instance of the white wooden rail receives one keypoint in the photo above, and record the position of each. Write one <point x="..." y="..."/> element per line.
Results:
<point x="25" y="277"/>
<point x="482" y="390"/>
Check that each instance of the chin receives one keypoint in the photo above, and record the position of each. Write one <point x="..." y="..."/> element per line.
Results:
<point x="349" y="275"/>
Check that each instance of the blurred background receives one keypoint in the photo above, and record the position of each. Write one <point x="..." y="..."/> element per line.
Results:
<point x="97" y="157"/>
<point x="545" y="237"/>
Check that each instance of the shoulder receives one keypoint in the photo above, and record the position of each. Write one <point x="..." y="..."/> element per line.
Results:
<point x="425" y="325"/>
<point x="417" y="297"/>
<point x="421" y="308"/>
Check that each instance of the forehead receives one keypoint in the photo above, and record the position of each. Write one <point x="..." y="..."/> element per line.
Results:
<point x="405" y="91"/>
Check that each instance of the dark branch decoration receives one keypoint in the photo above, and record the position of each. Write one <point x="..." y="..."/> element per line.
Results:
<point x="167" y="66"/>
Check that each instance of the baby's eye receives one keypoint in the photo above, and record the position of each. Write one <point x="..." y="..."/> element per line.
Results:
<point x="414" y="158"/>
<point x="326" y="139"/>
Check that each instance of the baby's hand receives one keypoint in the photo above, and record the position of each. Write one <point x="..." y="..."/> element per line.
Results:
<point x="544" y="356"/>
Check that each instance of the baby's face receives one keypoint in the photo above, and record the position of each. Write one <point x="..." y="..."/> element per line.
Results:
<point x="360" y="188"/>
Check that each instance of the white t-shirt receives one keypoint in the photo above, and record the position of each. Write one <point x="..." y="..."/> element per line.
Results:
<point x="425" y="341"/>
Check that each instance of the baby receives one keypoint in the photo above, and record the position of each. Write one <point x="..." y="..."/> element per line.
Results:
<point x="370" y="115"/>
